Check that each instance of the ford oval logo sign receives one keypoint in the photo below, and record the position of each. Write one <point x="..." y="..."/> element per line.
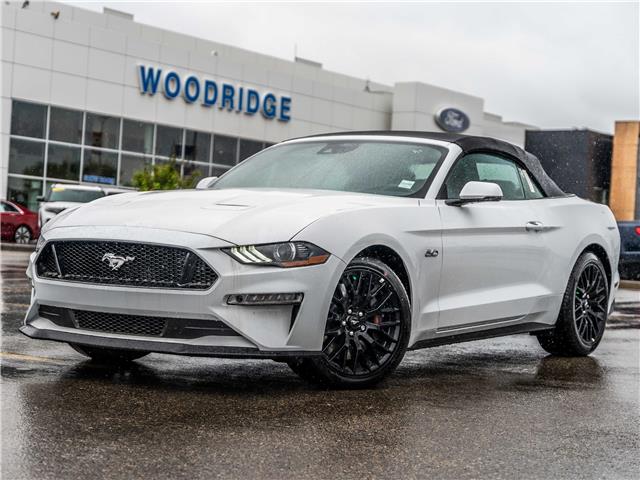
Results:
<point x="452" y="120"/>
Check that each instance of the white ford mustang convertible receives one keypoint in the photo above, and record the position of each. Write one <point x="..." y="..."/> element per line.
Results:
<point x="336" y="254"/>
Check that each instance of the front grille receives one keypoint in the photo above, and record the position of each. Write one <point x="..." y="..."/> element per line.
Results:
<point x="166" y="327"/>
<point x="124" y="263"/>
<point x="117" y="323"/>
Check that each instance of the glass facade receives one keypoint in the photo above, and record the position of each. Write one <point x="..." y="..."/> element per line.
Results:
<point x="50" y="144"/>
<point x="63" y="162"/>
<point x="249" y="147"/>
<point x="66" y="125"/>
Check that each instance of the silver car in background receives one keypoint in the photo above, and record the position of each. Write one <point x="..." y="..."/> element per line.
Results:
<point x="62" y="196"/>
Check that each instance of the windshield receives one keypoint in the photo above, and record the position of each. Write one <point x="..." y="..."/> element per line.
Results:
<point x="363" y="166"/>
<point x="62" y="194"/>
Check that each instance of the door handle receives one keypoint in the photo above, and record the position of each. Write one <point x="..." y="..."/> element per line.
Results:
<point x="534" y="226"/>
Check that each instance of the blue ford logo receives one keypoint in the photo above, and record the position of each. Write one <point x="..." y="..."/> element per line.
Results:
<point x="452" y="120"/>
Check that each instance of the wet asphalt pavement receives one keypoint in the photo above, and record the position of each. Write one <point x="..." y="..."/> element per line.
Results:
<point x="496" y="408"/>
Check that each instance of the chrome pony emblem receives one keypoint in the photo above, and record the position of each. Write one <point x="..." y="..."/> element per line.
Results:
<point x="116" y="261"/>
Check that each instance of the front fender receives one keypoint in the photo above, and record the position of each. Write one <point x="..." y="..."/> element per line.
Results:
<point x="409" y="230"/>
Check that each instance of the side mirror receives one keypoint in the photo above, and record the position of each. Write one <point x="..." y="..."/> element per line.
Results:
<point x="475" y="192"/>
<point x="206" y="182"/>
<point x="40" y="198"/>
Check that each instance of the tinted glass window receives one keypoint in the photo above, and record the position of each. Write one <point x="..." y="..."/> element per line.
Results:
<point x="129" y="165"/>
<point x="197" y="146"/>
<point x="137" y="136"/>
<point x="24" y="191"/>
<point x="485" y="168"/>
<point x="248" y="148"/>
<point x="531" y="189"/>
<point x="63" y="162"/>
<point x="28" y="119"/>
<point x="65" y="125"/>
<point x="6" y="207"/>
<point x="100" y="167"/>
<point x="383" y="168"/>
<point x="102" y="131"/>
<point x="60" y="193"/>
<point x="225" y="150"/>
<point x="169" y="141"/>
<point x="26" y="158"/>
<point x="217" y="171"/>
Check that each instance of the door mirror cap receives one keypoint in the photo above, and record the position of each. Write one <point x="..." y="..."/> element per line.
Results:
<point x="475" y="192"/>
<point x="40" y="198"/>
<point x="206" y="182"/>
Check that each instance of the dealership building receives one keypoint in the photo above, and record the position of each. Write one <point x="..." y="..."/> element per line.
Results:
<point x="93" y="97"/>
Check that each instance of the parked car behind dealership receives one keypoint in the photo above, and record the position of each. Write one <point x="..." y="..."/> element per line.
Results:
<point x="62" y="196"/>
<point x="19" y="224"/>
<point x="629" y="250"/>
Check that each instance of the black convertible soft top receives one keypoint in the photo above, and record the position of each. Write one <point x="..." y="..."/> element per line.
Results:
<point x="469" y="144"/>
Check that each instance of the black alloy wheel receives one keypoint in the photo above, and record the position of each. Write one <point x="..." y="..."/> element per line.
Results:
<point x="364" y="324"/>
<point x="583" y="313"/>
<point x="590" y="303"/>
<point x="367" y="328"/>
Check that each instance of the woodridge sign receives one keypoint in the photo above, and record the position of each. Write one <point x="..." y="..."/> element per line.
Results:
<point x="209" y="93"/>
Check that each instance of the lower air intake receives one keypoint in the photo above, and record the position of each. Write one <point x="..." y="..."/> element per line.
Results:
<point x="117" y="323"/>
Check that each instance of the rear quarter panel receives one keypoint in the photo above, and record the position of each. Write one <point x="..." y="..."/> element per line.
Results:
<point x="574" y="224"/>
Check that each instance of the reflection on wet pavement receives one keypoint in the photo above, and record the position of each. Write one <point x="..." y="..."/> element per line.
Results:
<point x="498" y="408"/>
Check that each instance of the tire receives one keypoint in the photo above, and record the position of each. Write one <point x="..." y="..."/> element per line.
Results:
<point x="583" y="314"/>
<point x="22" y="234"/>
<point x="108" y="355"/>
<point x="366" y="333"/>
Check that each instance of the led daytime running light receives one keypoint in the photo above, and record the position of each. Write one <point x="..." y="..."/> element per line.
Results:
<point x="285" y="254"/>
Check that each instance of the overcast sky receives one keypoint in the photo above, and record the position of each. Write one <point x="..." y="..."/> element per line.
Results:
<point x="547" y="64"/>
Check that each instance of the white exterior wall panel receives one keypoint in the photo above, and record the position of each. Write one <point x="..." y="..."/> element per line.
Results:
<point x="88" y="61"/>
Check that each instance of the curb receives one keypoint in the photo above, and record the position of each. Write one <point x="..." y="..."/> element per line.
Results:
<point x="15" y="247"/>
<point x="630" y="284"/>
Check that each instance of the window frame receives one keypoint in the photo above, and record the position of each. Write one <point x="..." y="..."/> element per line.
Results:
<point x="518" y="164"/>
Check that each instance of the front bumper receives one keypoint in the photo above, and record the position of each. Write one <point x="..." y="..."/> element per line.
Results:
<point x="260" y="331"/>
<point x="45" y="332"/>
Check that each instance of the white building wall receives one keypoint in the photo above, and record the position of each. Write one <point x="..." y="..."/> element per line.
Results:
<point x="513" y="132"/>
<point x="86" y="60"/>
<point x="415" y="105"/>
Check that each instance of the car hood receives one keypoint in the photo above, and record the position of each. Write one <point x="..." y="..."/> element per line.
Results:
<point x="240" y="216"/>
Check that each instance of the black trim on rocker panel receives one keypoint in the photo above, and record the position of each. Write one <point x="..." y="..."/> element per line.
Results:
<point x="490" y="333"/>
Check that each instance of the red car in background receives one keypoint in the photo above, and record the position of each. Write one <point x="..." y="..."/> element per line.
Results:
<point x="19" y="224"/>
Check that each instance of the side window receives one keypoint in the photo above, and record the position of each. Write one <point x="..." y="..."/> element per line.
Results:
<point x="6" y="207"/>
<point x="485" y="167"/>
<point x="463" y="171"/>
<point x="531" y="189"/>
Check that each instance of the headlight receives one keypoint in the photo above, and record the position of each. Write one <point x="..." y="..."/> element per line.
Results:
<point x="286" y="254"/>
<point x="40" y="243"/>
